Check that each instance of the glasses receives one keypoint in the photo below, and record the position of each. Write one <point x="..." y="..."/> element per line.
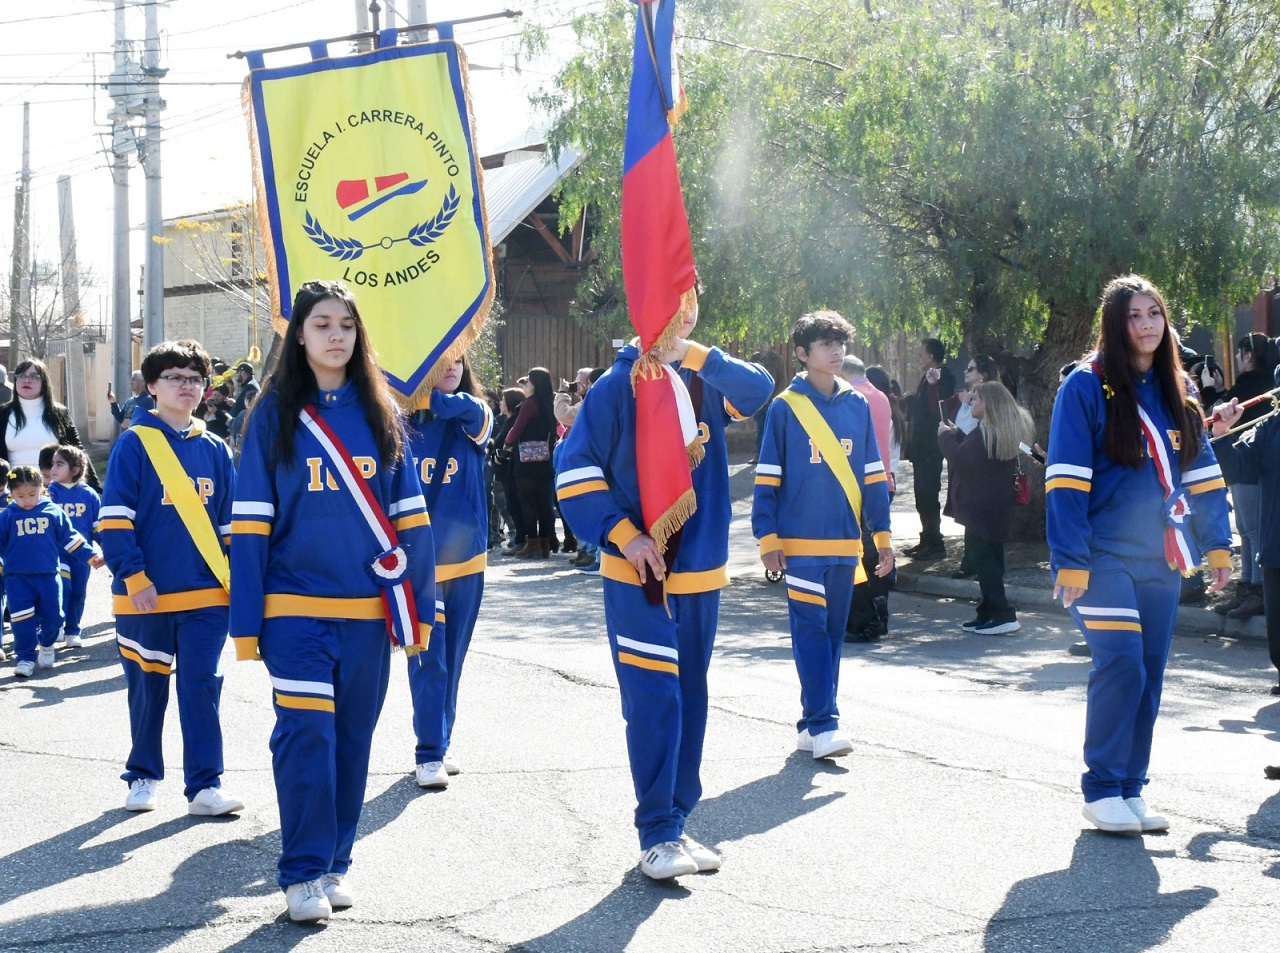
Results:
<point x="182" y="380"/>
<point x="971" y="367"/>
<point x="32" y="377"/>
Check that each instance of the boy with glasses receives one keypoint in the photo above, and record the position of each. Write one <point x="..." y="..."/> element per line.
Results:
<point x="164" y="527"/>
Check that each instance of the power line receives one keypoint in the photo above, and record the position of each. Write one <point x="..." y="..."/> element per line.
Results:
<point x="82" y="13"/>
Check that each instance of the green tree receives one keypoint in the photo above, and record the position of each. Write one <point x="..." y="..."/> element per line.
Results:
<point x="975" y="169"/>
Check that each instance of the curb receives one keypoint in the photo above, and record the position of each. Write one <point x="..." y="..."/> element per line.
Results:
<point x="1192" y="620"/>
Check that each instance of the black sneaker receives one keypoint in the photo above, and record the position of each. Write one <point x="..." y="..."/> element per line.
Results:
<point x="972" y="624"/>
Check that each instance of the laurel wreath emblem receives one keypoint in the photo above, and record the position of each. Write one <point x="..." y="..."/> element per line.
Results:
<point x="349" y="249"/>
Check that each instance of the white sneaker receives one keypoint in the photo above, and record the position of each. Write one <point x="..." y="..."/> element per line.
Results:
<point x="451" y="766"/>
<point x="339" y="894"/>
<point x="4" y="656"/>
<point x="804" y="741"/>
<point x="703" y="856"/>
<point x="432" y="774"/>
<point x="666" y="860"/>
<point x="46" y="656"/>
<point x="307" y="902"/>
<point x="1112" y="814"/>
<point x="1148" y="820"/>
<point x="831" y="744"/>
<point x="24" y="669"/>
<point x="214" y="802"/>
<point x="74" y="642"/>
<point x="142" y="795"/>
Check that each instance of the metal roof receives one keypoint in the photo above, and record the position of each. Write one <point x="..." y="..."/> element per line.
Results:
<point x="512" y="191"/>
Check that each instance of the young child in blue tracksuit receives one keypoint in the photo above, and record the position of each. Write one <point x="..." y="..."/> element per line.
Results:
<point x="1129" y="505"/>
<point x="35" y="535"/>
<point x="81" y="503"/>
<point x="661" y="652"/>
<point x="313" y="579"/>
<point x="806" y="526"/>
<point x="448" y="438"/>
<point x="168" y="594"/>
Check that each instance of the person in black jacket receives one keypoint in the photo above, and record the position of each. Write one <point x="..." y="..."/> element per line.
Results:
<point x="1255" y="363"/>
<point x="937" y="383"/>
<point x="32" y="419"/>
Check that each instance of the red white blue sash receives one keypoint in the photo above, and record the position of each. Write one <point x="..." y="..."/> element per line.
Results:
<point x="390" y="568"/>
<point x="1177" y="507"/>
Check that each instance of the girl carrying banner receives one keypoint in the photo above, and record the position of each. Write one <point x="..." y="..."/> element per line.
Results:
<point x="333" y="560"/>
<point x="1134" y="497"/>
<point x="163" y="524"/>
<point x="448" y="437"/>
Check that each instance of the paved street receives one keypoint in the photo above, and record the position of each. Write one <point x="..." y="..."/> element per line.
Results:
<point x="953" y="826"/>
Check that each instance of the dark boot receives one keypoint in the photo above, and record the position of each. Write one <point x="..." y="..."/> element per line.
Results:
<point x="530" y="550"/>
<point x="1230" y="601"/>
<point x="1250" y="605"/>
<point x="544" y="549"/>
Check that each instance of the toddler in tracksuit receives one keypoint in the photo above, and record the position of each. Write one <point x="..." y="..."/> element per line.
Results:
<point x="35" y="534"/>
<point x="811" y="514"/>
<point x="81" y="504"/>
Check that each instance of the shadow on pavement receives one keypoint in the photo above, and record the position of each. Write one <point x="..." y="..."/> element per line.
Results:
<point x="195" y="898"/>
<point x="1262" y="831"/>
<point x="1109" y="898"/>
<point x="755" y="807"/>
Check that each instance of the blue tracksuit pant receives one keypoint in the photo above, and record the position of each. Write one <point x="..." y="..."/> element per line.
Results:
<point x="1127" y="617"/>
<point x="435" y="673"/>
<point x="73" y="593"/>
<point x="150" y="646"/>
<point x="818" y="599"/>
<point x="35" y="611"/>
<point x="661" y="661"/>
<point x="328" y="680"/>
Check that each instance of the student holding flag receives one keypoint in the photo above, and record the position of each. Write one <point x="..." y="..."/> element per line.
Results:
<point x="333" y="560"/>
<point x="163" y="527"/>
<point x="821" y="490"/>
<point x="1134" y="497"/>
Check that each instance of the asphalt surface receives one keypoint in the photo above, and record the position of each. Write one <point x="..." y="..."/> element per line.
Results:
<point x="953" y="826"/>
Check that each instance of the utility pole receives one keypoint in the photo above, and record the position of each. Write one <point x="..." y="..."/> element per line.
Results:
<point x="153" y="320"/>
<point x="123" y="90"/>
<point x="20" y="276"/>
<point x="362" y="26"/>
<point x="418" y="14"/>
<point x="72" y="319"/>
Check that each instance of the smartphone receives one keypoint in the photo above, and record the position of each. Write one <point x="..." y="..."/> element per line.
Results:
<point x="1033" y="454"/>
<point x="942" y="414"/>
<point x="109" y="387"/>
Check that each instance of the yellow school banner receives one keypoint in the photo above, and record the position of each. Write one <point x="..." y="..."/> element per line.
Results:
<point x="366" y="172"/>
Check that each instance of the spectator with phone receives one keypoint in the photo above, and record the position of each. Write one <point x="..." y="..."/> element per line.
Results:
<point x="924" y="413"/>
<point x="958" y="409"/>
<point x="139" y="401"/>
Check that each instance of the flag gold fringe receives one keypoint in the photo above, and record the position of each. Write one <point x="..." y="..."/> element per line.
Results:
<point x="665" y="526"/>
<point x="649" y="364"/>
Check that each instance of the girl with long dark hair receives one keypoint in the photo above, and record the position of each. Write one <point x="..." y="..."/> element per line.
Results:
<point x="449" y="434"/>
<point x="530" y="440"/>
<point x="33" y="419"/>
<point x="1134" y="497"/>
<point x="331" y="553"/>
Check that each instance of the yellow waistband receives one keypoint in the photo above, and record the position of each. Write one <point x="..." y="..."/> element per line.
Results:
<point x="322" y="607"/>
<point x="678" y="583"/>
<point x="174" y="601"/>
<point x="447" y="571"/>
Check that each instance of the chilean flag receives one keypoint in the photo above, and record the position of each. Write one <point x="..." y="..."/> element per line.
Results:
<point x="657" y="271"/>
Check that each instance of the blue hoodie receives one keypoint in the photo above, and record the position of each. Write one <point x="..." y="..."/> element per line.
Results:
<point x="143" y="538"/>
<point x="1096" y="506"/>
<point x="800" y="507"/>
<point x="598" y="487"/>
<point x="299" y="545"/>
<point x="448" y="444"/>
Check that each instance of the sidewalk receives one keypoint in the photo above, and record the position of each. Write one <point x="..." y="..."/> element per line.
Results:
<point x="1028" y="581"/>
